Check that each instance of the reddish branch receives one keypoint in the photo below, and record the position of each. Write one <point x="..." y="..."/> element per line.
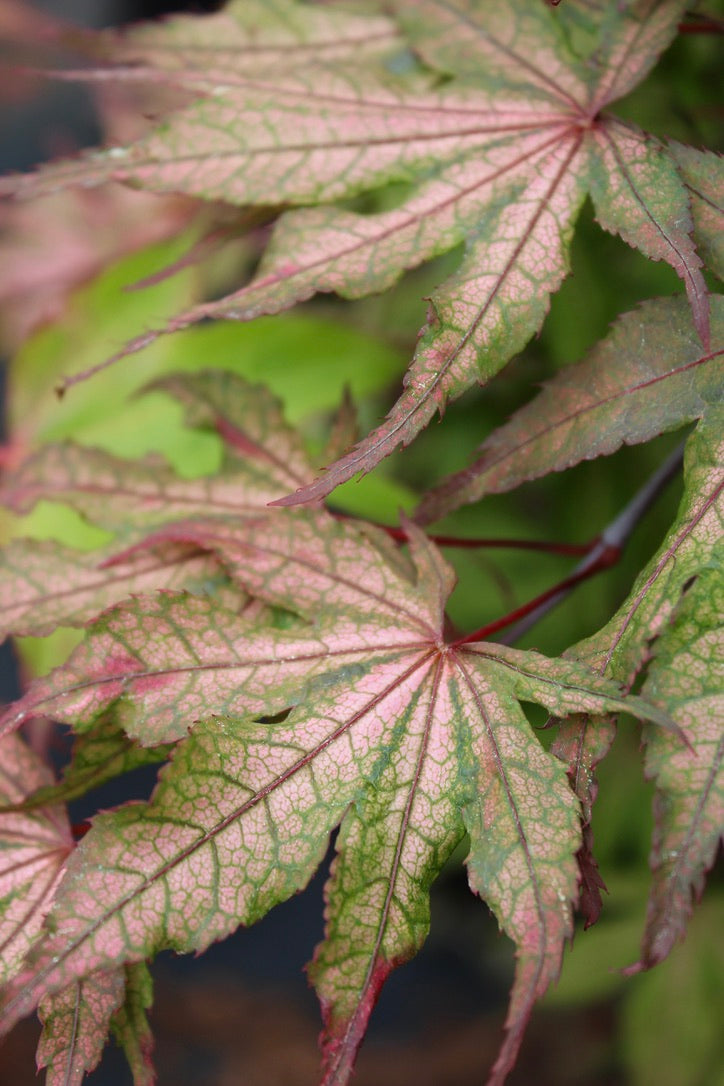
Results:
<point x="605" y="552"/>
<point x="702" y="24"/>
<point x="601" y="553"/>
<point x="550" y="546"/>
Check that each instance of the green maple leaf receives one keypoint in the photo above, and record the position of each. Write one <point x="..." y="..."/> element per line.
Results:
<point x="648" y="376"/>
<point x="499" y="126"/>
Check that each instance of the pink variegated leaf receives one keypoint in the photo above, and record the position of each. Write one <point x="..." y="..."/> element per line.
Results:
<point x="703" y="174"/>
<point x="685" y="678"/>
<point x="167" y="660"/>
<point x="248" y="36"/>
<point x="401" y="736"/>
<point x="675" y="629"/>
<point x="637" y="192"/>
<point x="101" y="753"/>
<point x="123" y="496"/>
<point x="649" y="375"/>
<point x="263" y="459"/>
<point x="54" y="246"/>
<point x="34" y="846"/>
<point x="499" y="159"/>
<point x="44" y="584"/>
<point x="76" y="1021"/>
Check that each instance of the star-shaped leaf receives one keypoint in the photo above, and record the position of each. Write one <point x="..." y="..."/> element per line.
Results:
<point x="404" y="737"/>
<point x="500" y="130"/>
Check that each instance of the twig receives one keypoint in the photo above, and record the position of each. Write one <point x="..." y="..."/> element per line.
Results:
<point x="701" y="23"/>
<point x="604" y="553"/>
<point x="478" y="543"/>
<point x="509" y="544"/>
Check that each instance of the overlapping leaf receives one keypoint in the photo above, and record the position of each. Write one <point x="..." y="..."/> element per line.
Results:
<point x="76" y="1021"/>
<point x="75" y="1026"/>
<point x="648" y="376"/>
<point x="34" y="846"/>
<point x="685" y="639"/>
<point x="404" y="738"/>
<point x="44" y="585"/>
<point x="263" y="458"/>
<point x="689" y="807"/>
<point x="703" y="173"/>
<point x="499" y="158"/>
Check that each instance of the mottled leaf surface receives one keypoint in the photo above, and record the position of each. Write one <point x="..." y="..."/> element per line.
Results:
<point x="498" y="156"/>
<point x="703" y="173"/>
<point x="685" y="677"/>
<point x="263" y="458"/>
<point x="649" y="375"/>
<point x="400" y="736"/>
<point x="44" y="584"/>
<point x="249" y="37"/>
<point x="75" y="1025"/>
<point x="672" y="618"/>
<point x="34" y="846"/>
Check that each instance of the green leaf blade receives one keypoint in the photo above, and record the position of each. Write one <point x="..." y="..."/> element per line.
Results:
<point x="648" y="376"/>
<point x="638" y="194"/>
<point x="685" y="677"/>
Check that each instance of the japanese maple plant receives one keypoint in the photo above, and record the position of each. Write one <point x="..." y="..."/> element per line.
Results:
<point x="291" y="668"/>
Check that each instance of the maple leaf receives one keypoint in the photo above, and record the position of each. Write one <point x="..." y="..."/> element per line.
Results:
<point x="50" y="248"/>
<point x="75" y="1026"/>
<point x="33" y="849"/>
<point x="673" y="627"/>
<point x="500" y="158"/>
<point x="703" y="173"/>
<point x="262" y="458"/>
<point x="689" y="804"/>
<point x="649" y="375"/>
<point x="400" y="736"/>
<point x="44" y="584"/>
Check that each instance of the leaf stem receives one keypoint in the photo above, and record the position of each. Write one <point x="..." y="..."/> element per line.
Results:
<point x="549" y="546"/>
<point x="605" y="551"/>
<point x="701" y="23"/>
